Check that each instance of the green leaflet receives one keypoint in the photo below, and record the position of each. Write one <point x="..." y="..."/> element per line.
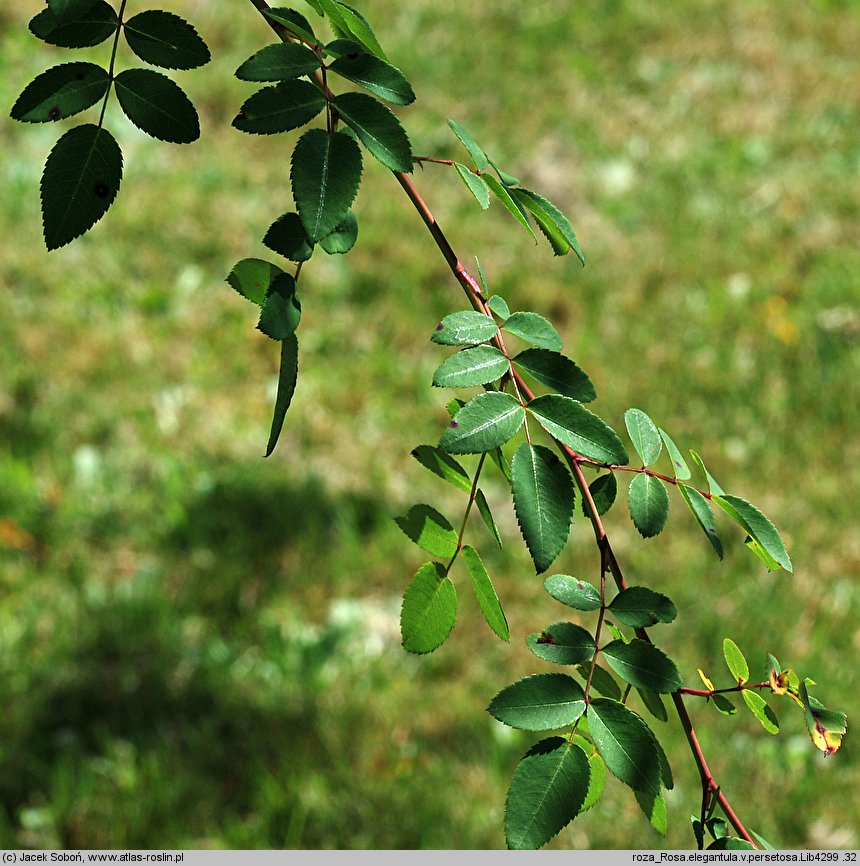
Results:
<point x="723" y="705"/>
<point x="287" y="236"/>
<point x="158" y="106"/>
<point x="286" y="388"/>
<point x="485" y="592"/>
<point x="67" y="10"/>
<point x="325" y="174"/>
<point x="511" y="206"/>
<point x="474" y="366"/>
<point x="281" y="311"/>
<point x="758" y="526"/>
<point x="552" y="222"/>
<point x="602" y="682"/>
<point x="280" y="108"/>
<point x="475" y="185"/>
<point x="540" y="702"/>
<point x="484" y="423"/>
<point x="487" y="516"/>
<point x="294" y="21"/>
<point x="166" y="40"/>
<point x="371" y="72"/>
<point x="759" y="708"/>
<point x="626" y="744"/>
<point x="279" y="62"/>
<point x="507" y="179"/>
<point x="548" y="789"/>
<point x="640" y="607"/>
<point x="251" y="278"/>
<point x="643" y="665"/>
<point x="429" y="609"/>
<point x="534" y="329"/>
<point x="735" y="661"/>
<point x="644" y="435"/>
<point x="377" y="128"/>
<point x="571" y="423"/>
<point x="443" y="465"/>
<point x="603" y="489"/>
<point x="649" y="504"/>
<point x="80" y="181"/>
<point x="653" y="807"/>
<point x="679" y="465"/>
<point x="543" y="500"/>
<point x="358" y="27"/>
<point x="496" y="303"/>
<point x="429" y="530"/>
<point x="61" y="91"/>
<point x="475" y="151"/>
<point x="578" y="594"/>
<point x="556" y="371"/>
<point x="467" y="328"/>
<point x="730" y="843"/>
<point x="703" y="514"/>
<point x="597" y="782"/>
<point x="562" y="643"/>
<point x="344" y="236"/>
<point x="654" y="704"/>
<point x="713" y="487"/>
<point x="91" y="28"/>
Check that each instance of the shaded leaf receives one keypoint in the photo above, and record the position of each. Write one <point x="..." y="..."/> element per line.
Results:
<point x="543" y="500"/>
<point x="484" y="423"/>
<point x="562" y="643"/>
<point x="679" y="465"/>
<point x="571" y="423"/>
<point x="540" y="702"/>
<point x="91" y="28"/>
<point x="251" y="278"/>
<point x="487" y="516"/>
<point x="548" y="789"/>
<point x="649" y="504"/>
<point x="597" y="781"/>
<point x="557" y="372"/>
<point x="703" y="514"/>
<point x="429" y="530"/>
<point x="325" y="174"/>
<point x="60" y="92"/>
<point x="735" y="660"/>
<point x="166" y="40"/>
<point x="723" y="705"/>
<point x="534" y="329"/>
<point x="713" y="487"/>
<point x="474" y="366"/>
<point x="377" y="128"/>
<point x="757" y="525"/>
<point x="158" y="106"/>
<point x="80" y="181"/>
<point x="654" y="808"/>
<point x="498" y="304"/>
<point x="603" y="489"/>
<point x="280" y="108"/>
<point x="643" y="665"/>
<point x="654" y="704"/>
<point x="67" y="10"/>
<point x="476" y="186"/>
<point x="730" y="843"/>
<point x="294" y="21"/>
<point x="371" y="72"/>
<point x="429" y="609"/>
<point x="279" y="62"/>
<point x="344" y="236"/>
<point x="475" y="151"/>
<point x="443" y="465"/>
<point x="575" y="593"/>
<point x="602" y="682"/>
<point x="281" y="311"/>
<point x="552" y="222"/>
<point x="485" y="592"/>
<point x="287" y="236"/>
<point x="759" y="708"/>
<point x="506" y="179"/>
<point x="644" y="435"/>
<point x="467" y="328"/>
<point x="640" y="607"/>
<point x="286" y="388"/>
<point x="502" y="194"/>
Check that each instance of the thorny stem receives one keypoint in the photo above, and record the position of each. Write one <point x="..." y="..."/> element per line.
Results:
<point x="608" y="559"/>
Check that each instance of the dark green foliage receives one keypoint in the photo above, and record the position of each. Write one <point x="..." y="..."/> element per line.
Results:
<point x="153" y="103"/>
<point x="166" y="40"/>
<point x="280" y="108"/>
<point x="61" y="92"/>
<point x="279" y="62"/>
<point x="98" y="23"/>
<point x="377" y="128"/>
<point x="287" y="236"/>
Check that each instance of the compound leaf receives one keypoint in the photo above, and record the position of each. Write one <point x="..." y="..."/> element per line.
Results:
<point x="713" y="487"/>
<point x="286" y="388"/>
<point x="377" y="128"/>
<point x="640" y="607"/>
<point x="475" y="185"/>
<point x="543" y="500"/>
<point x="485" y="592"/>
<point x="484" y="423"/>
<point x="540" y="702"/>
<point x="467" y="328"/>
<point x="91" y="28"/>
<point x="534" y="329"/>
<point x="474" y="366"/>
<point x="357" y="26"/>
<point x="166" y="40"/>
<point x="826" y="727"/>
<point x="252" y="278"/>
<point x="429" y="530"/>
<point x="557" y="372"/>
<point x="158" y="106"/>
<point x="654" y="808"/>
<point x="562" y="643"/>
<point x="644" y="435"/>
<point x="429" y="609"/>
<point x="649" y="504"/>
<point x="80" y="181"/>
<point x="293" y="21"/>
<point x="279" y="62"/>
<point x="280" y="108"/>
<point x="575" y="593"/>
<point x="548" y="790"/>
<point x="61" y="91"/>
<point x="487" y="516"/>
<point x="326" y="174"/>
<point x="643" y="665"/>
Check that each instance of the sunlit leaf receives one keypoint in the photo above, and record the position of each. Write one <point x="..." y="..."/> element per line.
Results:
<point x="484" y="423"/>
<point x="509" y="204"/>
<point x="654" y="808"/>
<point x="575" y="593"/>
<point x="563" y="643"/>
<point x="534" y="329"/>
<point x="703" y="514"/>
<point x="473" y="366"/>
<point x="540" y="702"/>
<point x="552" y="222"/>
<point x="475" y="151"/>
<point x="443" y="465"/>
<point x="429" y="530"/>
<point x="557" y="372"/>
<point x="826" y="727"/>
<point x="487" y="516"/>
<point x="485" y="592"/>
<point x="429" y="609"/>
<point x="649" y="504"/>
<point x="643" y="665"/>
<point x="644" y="435"/>
<point x="757" y="525"/>
<point x="343" y="237"/>
<point x="713" y="487"/>
<point x="475" y="185"/>
<point x="759" y="708"/>
<point x="735" y="660"/>
<point x="467" y="328"/>
<point x="679" y="465"/>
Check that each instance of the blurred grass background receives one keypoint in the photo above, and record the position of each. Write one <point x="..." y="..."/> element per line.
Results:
<point x="200" y="648"/>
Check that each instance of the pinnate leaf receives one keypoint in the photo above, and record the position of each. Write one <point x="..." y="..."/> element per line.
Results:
<point x="540" y="702"/>
<point x="377" y="128"/>
<point x="474" y="366"/>
<point x="429" y="609"/>
<point x="703" y="514"/>
<point x="467" y="328"/>
<point x="326" y="174"/>
<point x="759" y="708"/>
<point x="534" y="329"/>
<point x="286" y="388"/>
<point x="758" y="526"/>
<point x="626" y="744"/>
<point x="575" y="593"/>
<point x="484" y="423"/>
<point x="166" y="40"/>
<point x="158" y="106"/>
<point x="640" y="607"/>
<point x="548" y="789"/>
<point x="88" y="29"/>
<point x="287" y="237"/>
<point x="643" y="665"/>
<point x="252" y="278"/>
<point x="371" y="72"/>
<point x="429" y="530"/>
<point x="644" y="435"/>
<point x="80" y="181"/>
<point x="563" y="643"/>
<point x="597" y="782"/>
<point x="475" y="150"/>
<point x="735" y="660"/>
<point x="443" y="465"/>
<point x="475" y="185"/>
<point x="61" y="91"/>
<point x="571" y="423"/>
<point x="557" y="372"/>
<point x="649" y="504"/>
<point x="279" y="62"/>
<point x="280" y="108"/>
<point x="543" y="500"/>
<point x="552" y="222"/>
<point x="485" y="592"/>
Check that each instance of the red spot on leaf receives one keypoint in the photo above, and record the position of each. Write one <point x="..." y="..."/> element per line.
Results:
<point x="439" y="326"/>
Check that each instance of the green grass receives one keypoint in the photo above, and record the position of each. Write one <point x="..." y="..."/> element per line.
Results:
<point x="200" y="648"/>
